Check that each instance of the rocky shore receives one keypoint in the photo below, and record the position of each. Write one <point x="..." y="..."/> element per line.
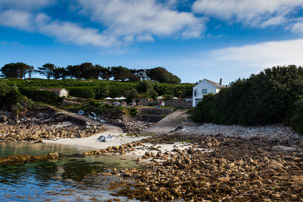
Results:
<point x="27" y="158"/>
<point x="38" y="129"/>
<point x="235" y="170"/>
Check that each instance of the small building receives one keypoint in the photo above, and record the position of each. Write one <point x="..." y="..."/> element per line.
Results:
<point x="205" y="87"/>
<point x="61" y="92"/>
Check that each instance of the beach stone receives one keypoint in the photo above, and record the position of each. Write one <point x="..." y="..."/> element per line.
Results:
<point x="3" y="119"/>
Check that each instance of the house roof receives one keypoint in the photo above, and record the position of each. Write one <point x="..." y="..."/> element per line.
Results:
<point x="217" y="85"/>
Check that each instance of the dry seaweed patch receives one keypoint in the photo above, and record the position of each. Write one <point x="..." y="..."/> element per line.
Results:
<point x="27" y="158"/>
<point x="238" y="170"/>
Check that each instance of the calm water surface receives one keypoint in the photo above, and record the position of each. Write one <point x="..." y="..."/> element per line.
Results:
<point x="69" y="179"/>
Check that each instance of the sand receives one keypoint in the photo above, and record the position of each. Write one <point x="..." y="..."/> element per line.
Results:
<point x="92" y="142"/>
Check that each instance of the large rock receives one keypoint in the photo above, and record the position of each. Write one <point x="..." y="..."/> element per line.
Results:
<point x="3" y="119"/>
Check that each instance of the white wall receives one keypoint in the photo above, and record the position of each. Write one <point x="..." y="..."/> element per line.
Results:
<point x="202" y="85"/>
<point x="63" y="93"/>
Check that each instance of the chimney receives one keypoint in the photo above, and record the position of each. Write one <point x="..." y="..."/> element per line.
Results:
<point x="220" y="83"/>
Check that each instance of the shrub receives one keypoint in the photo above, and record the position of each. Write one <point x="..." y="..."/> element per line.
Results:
<point x="133" y="111"/>
<point x="296" y="120"/>
<point x="42" y="96"/>
<point x="82" y="92"/>
<point x="265" y="98"/>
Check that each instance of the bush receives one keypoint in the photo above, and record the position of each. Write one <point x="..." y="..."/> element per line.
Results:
<point x="296" y="120"/>
<point x="42" y="96"/>
<point x="82" y="92"/>
<point x="265" y="98"/>
<point x="133" y="111"/>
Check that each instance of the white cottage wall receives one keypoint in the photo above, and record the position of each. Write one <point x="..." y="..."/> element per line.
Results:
<point x="198" y="88"/>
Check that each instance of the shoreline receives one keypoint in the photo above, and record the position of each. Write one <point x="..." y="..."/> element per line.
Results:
<point x="92" y="142"/>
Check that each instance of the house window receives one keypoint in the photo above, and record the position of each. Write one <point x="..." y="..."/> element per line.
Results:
<point x="204" y="91"/>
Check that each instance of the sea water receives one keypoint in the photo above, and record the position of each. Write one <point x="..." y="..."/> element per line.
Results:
<point x="66" y="179"/>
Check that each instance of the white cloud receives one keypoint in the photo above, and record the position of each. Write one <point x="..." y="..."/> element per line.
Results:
<point x="25" y="4"/>
<point x="71" y="32"/>
<point x="139" y="18"/>
<point x="256" y="13"/>
<point x="16" y="19"/>
<point x="256" y="57"/>
<point x="64" y="31"/>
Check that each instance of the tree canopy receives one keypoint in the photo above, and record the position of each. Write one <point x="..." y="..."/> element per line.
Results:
<point x="265" y="98"/>
<point x="90" y="71"/>
<point x="16" y="70"/>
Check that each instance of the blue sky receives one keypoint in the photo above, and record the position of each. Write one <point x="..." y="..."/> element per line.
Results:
<point x="194" y="39"/>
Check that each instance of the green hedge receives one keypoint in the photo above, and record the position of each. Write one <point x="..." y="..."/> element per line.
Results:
<point x="41" y="96"/>
<point x="265" y="98"/>
<point x="101" y="88"/>
<point x="82" y="92"/>
<point x="296" y="120"/>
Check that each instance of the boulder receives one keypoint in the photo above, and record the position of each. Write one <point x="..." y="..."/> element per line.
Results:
<point x="3" y="119"/>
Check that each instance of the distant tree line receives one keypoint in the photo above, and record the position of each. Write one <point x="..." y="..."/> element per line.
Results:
<point x="89" y="71"/>
<point x="272" y="96"/>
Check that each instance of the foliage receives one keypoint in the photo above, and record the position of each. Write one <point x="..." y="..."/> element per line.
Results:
<point x="296" y="120"/>
<point x="265" y="98"/>
<point x="102" y="88"/>
<point x="162" y="75"/>
<point x="42" y="96"/>
<point x="82" y="92"/>
<point x="120" y="73"/>
<point x="4" y="89"/>
<point x="148" y="88"/>
<point x="103" y="109"/>
<point x="90" y="71"/>
<point x="47" y="70"/>
<point x="133" y="111"/>
<point x="16" y="70"/>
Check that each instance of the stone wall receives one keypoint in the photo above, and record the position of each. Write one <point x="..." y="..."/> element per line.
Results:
<point x="168" y="103"/>
<point x="178" y="103"/>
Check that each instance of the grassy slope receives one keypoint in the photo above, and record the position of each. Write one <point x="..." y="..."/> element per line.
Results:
<point x="116" y="88"/>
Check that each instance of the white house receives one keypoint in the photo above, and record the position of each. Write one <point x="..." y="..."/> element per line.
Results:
<point x="61" y="92"/>
<point x="205" y="87"/>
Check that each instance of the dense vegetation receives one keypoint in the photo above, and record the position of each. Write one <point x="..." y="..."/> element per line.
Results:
<point x="98" y="89"/>
<point x="12" y="100"/>
<point x="269" y="97"/>
<point x="89" y="71"/>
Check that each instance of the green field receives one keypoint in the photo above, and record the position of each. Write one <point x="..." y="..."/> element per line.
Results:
<point x="100" y="88"/>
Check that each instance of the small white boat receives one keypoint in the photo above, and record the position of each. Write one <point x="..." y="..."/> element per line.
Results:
<point x="107" y="138"/>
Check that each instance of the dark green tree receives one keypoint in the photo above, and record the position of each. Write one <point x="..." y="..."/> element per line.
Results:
<point x="15" y="70"/>
<point x="120" y="73"/>
<point x="162" y="75"/>
<point x="105" y="73"/>
<point x="47" y="70"/>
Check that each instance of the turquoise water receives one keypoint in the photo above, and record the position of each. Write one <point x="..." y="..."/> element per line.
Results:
<point x="15" y="148"/>
<point x="67" y="179"/>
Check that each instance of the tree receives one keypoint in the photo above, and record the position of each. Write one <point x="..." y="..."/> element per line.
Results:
<point x="265" y="98"/>
<point x="120" y="73"/>
<point x="105" y="73"/>
<point x="162" y="75"/>
<point x="47" y="70"/>
<point x="60" y="72"/>
<point x="90" y="71"/>
<point x="30" y="71"/>
<point x="74" y="71"/>
<point x="15" y="70"/>
<point x="144" y="86"/>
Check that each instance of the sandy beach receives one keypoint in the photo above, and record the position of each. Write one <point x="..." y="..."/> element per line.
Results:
<point x="92" y="142"/>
